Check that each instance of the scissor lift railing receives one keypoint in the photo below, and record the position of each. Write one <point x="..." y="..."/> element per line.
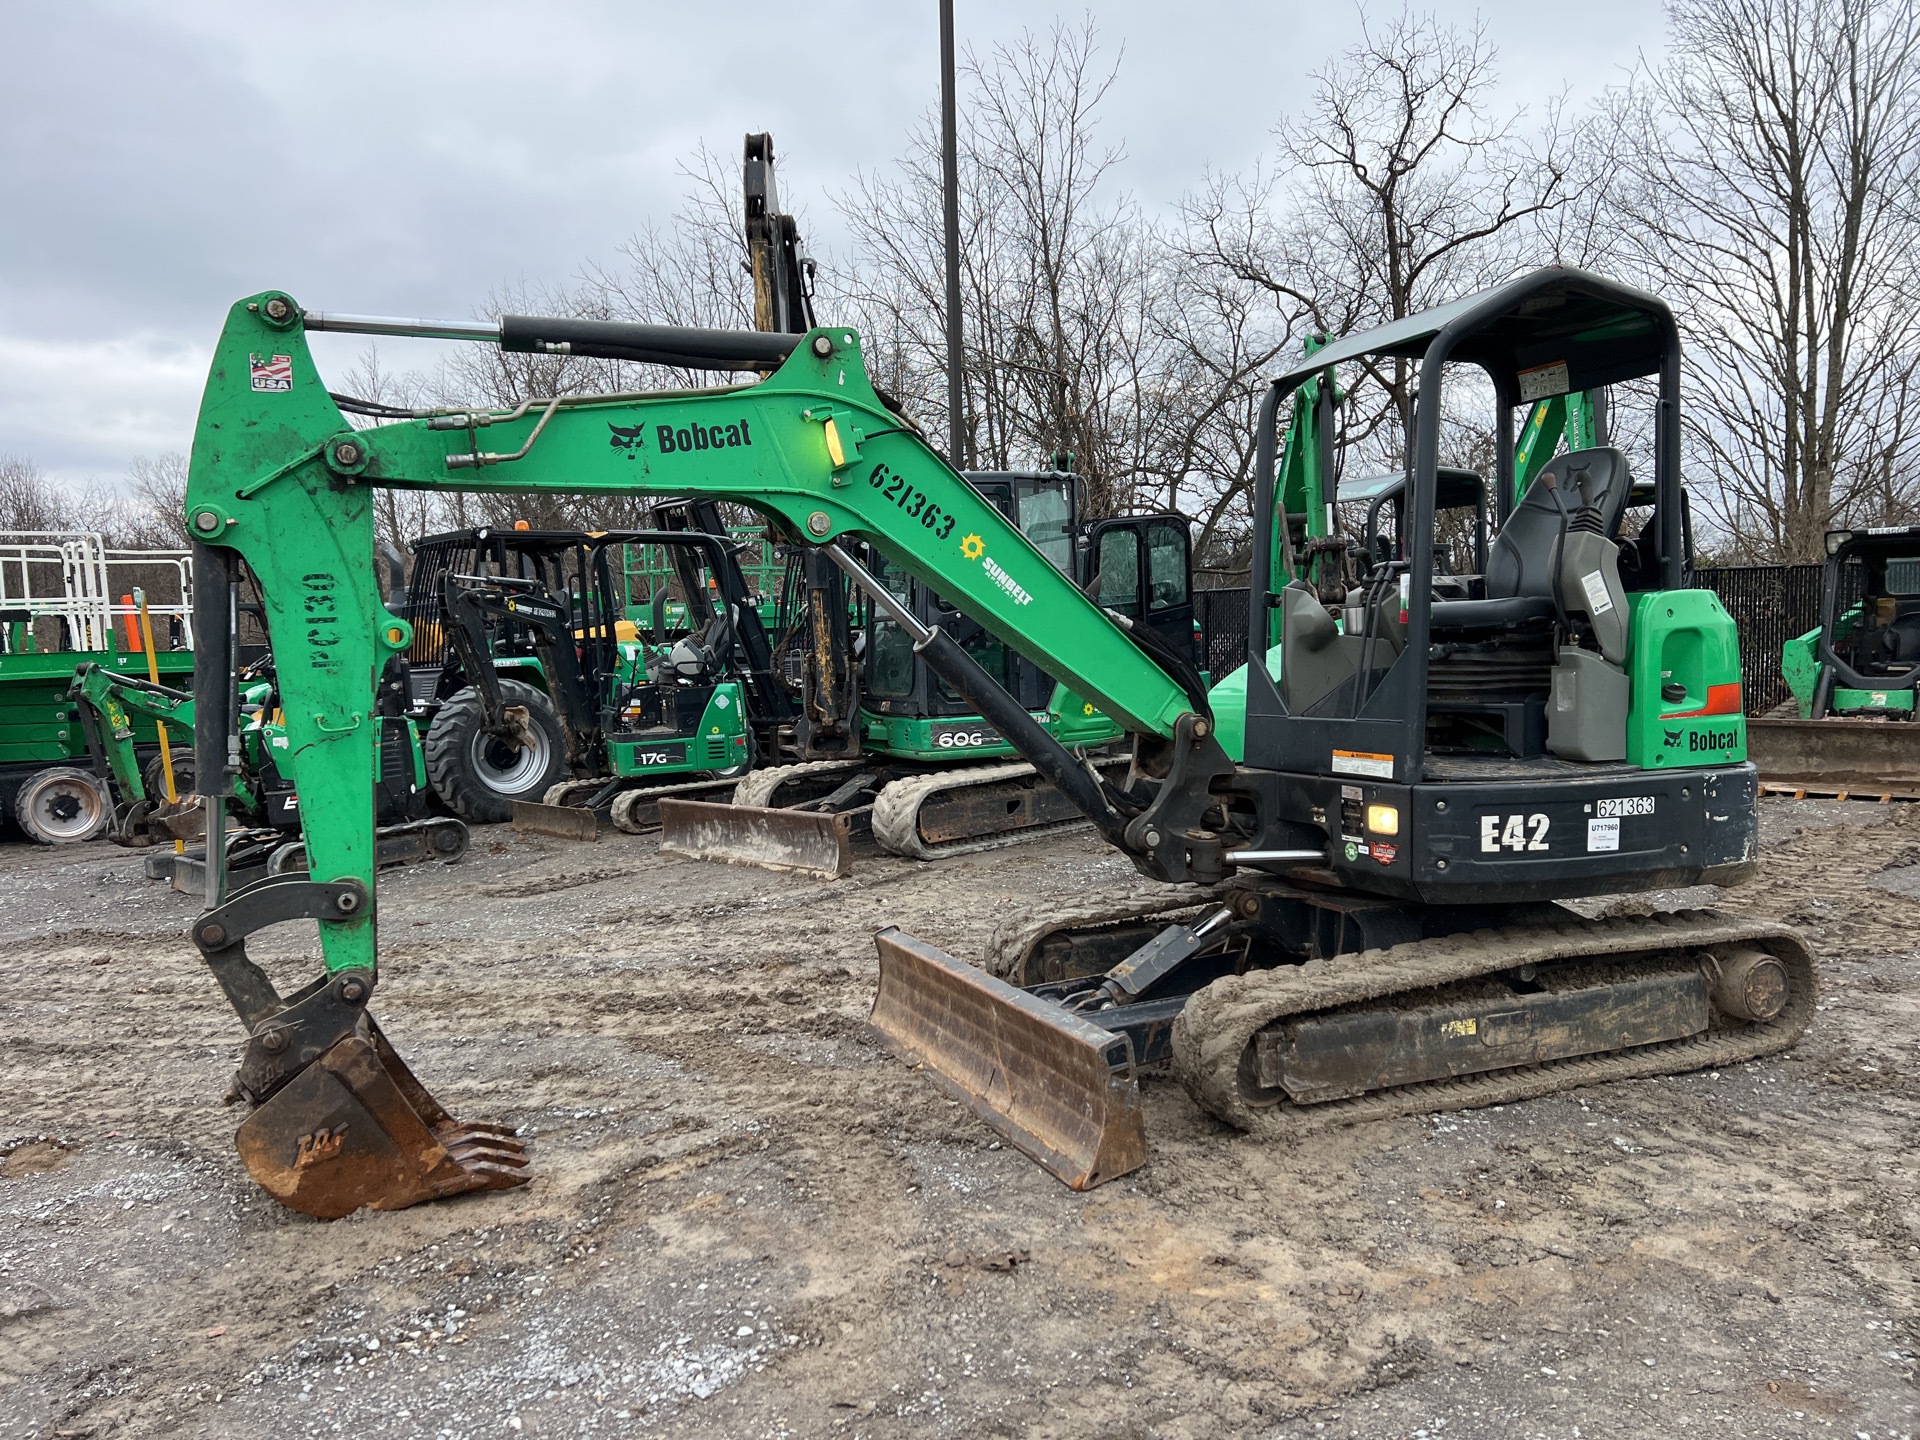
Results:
<point x="73" y="578"/>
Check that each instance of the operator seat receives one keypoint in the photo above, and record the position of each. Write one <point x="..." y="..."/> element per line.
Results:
<point x="1521" y="561"/>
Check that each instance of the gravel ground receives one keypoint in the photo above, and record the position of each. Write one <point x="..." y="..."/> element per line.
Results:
<point x="748" y="1220"/>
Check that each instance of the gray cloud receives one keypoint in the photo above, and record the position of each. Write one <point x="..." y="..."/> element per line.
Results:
<point x="160" y="160"/>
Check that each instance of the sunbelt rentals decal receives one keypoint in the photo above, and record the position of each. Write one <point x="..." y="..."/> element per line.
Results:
<point x="974" y="548"/>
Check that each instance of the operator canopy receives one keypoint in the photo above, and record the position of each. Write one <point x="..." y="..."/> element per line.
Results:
<point x="1549" y="333"/>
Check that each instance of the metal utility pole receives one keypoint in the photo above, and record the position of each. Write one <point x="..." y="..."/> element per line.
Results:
<point x="950" y="189"/>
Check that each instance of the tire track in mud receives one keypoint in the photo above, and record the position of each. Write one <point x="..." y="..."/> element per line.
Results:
<point x="683" y="1038"/>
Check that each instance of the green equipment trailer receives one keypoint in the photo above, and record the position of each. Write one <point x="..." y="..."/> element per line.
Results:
<point x="66" y="599"/>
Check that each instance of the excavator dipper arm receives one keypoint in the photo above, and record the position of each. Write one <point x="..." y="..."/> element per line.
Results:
<point x="280" y="478"/>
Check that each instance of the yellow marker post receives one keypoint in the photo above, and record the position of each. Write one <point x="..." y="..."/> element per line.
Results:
<point x="153" y="674"/>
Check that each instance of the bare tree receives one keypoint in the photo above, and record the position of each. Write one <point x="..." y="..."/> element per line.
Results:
<point x="1400" y="188"/>
<point x="1768" y="187"/>
<point x="32" y="500"/>
<point x="156" y="512"/>
<point x="1071" y="343"/>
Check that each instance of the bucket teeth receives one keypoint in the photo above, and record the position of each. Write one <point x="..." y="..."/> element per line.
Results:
<point x="356" y="1130"/>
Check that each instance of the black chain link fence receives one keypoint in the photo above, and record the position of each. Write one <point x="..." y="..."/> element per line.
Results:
<point x="1223" y="630"/>
<point x="1770" y="603"/>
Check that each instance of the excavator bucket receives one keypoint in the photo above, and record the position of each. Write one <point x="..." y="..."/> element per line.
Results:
<point x="1059" y="1087"/>
<point x="1861" y="759"/>
<point x="802" y="842"/>
<point x="355" y="1128"/>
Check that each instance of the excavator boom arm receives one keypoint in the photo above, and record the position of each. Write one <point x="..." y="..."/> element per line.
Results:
<point x="280" y="477"/>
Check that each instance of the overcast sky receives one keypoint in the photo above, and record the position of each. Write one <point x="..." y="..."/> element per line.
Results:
<point x="159" y="160"/>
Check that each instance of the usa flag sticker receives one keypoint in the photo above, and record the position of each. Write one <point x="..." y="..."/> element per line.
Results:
<point x="271" y="372"/>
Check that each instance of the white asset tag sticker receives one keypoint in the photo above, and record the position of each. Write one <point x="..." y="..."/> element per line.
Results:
<point x="1595" y="584"/>
<point x="1603" y="835"/>
<point x="1362" y="762"/>
<point x="1542" y="381"/>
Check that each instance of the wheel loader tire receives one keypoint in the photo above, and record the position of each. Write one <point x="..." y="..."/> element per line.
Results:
<point x="61" y="807"/>
<point x="480" y="776"/>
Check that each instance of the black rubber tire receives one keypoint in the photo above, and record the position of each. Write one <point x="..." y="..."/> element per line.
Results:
<point x="458" y="749"/>
<point x="154" y="777"/>
<point x="62" y="806"/>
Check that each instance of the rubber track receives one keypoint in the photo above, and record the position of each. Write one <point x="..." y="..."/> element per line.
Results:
<point x="621" y="807"/>
<point x="896" y="813"/>
<point x="1023" y="929"/>
<point x="760" y="786"/>
<point x="1219" y="1022"/>
<point x="573" y="792"/>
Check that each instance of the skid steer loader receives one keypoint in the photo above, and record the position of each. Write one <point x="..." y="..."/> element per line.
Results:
<point x="1354" y="919"/>
<point x="545" y="704"/>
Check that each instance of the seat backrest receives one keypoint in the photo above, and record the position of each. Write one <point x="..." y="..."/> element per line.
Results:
<point x="1520" y="561"/>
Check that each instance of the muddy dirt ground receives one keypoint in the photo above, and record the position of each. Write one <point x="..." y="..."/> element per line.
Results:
<point x="749" y="1220"/>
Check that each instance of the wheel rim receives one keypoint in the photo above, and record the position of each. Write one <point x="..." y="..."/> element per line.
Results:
<point x="66" y="809"/>
<point x="505" y="768"/>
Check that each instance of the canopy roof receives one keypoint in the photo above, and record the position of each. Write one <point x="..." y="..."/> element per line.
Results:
<point x="1455" y="487"/>
<point x="1547" y="333"/>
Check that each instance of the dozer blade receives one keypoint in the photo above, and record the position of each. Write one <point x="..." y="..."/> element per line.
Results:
<point x="1866" y="759"/>
<point x="803" y="842"/>
<point x="355" y="1128"/>
<point x="1059" y="1087"/>
<point x="563" y="822"/>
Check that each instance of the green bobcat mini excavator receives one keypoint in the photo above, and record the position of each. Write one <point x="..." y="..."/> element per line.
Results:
<point x="1354" y="919"/>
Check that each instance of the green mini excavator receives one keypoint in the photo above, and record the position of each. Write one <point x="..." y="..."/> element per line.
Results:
<point x="150" y="799"/>
<point x="1354" y="918"/>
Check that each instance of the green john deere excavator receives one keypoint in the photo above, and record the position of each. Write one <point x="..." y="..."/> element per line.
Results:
<point x="1355" y="918"/>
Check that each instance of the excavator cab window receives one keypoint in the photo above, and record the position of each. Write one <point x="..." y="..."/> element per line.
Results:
<point x="1043" y="509"/>
<point x="1169" y="582"/>
<point x="889" y="648"/>
<point x="1117" y="567"/>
